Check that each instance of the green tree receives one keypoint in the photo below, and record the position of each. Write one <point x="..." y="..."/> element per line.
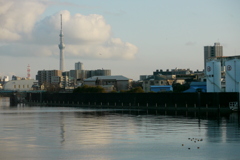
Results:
<point x="180" y="87"/>
<point x="89" y="89"/>
<point x="133" y="90"/>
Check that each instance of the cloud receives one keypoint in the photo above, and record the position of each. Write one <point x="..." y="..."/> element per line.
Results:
<point x="85" y="36"/>
<point x="18" y="18"/>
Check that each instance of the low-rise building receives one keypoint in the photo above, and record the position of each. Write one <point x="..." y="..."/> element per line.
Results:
<point x="158" y="80"/>
<point x="175" y="71"/>
<point x="19" y="85"/>
<point x="166" y="88"/>
<point x="119" y="82"/>
<point x="197" y="87"/>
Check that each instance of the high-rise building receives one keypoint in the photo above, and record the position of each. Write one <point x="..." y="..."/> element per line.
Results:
<point x="46" y="76"/>
<point x="78" y="66"/>
<point x="61" y="47"/>
<point x="212" y="51"/>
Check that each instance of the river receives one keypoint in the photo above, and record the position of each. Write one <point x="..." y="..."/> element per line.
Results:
<point x="74" y="133"/>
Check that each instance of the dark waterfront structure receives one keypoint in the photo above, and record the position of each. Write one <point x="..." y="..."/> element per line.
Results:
<point x="159" y="101"/>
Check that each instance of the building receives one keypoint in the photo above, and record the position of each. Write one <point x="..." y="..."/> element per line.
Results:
<point x="98" y="72"/>
<point x="79" y="66"/>
<point x="47" y="76"/>
<point x="17" y="78"/>
<point x="143" y="77"/>
<point x="212" y="51"/>
<point x="19" y="85"/>
<point x="223" y="59"/>
<point x="167" y="88"/>
<point x="197" y="87"/>
<point x="158" y="80"/>
<point x="175" y="71"/>
<point x="119" y="82"/>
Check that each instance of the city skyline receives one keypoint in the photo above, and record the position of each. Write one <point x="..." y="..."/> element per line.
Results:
<point x="131" y="39"/>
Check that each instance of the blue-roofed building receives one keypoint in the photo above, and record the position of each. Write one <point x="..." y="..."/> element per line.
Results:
<point x="197" y="87"/>
<point x="163" y="88"/>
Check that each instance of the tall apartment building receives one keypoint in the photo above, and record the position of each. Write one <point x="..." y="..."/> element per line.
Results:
<point x="78" y="66"/>
<point x="46" y="76"/>
<point x="98" y="72"/>
<point x="212" y="51"/>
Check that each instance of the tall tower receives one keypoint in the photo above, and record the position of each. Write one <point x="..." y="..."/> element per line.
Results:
<point x="212" y="51"/>
<point x="61" y="47"/>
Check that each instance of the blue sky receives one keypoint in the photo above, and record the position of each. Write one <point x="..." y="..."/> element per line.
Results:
<point x="131" y="38"/>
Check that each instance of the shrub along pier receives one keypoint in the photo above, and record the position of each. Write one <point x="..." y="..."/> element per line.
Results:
<point x="156" y="101"/>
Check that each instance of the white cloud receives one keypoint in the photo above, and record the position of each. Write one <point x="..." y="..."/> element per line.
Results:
<point x="18" y="17"/>
<point x="85" y="36"/>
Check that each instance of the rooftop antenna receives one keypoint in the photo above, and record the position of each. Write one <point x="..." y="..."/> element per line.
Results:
<point x="61" y="22"/>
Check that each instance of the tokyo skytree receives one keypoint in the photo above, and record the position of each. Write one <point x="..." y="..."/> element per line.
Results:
<point x="61" y="47"/>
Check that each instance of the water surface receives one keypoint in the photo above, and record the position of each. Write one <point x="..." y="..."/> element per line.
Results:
<point x="50" y="133"/>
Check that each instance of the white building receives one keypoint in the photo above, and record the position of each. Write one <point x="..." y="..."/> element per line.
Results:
<point x="19" y="85"/>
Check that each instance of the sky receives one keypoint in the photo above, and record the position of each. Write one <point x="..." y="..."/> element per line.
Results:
<point x="129" y="37"/>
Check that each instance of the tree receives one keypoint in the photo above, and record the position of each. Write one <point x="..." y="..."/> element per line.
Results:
<point x="134" y="90"/>
<point x="177" y="87"/>
<point x="89" y="89"/>
<point x="135" y="84"/>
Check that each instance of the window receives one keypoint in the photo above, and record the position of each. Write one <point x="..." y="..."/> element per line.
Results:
<point x="14" y="86"/>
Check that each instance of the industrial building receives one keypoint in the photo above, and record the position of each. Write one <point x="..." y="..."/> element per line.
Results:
<point x="232" y="76"/>
<point x="213" y="76"/>
<point x="223" y="60"/>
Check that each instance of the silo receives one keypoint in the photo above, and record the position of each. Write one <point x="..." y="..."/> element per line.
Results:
<point x="232" y="75"/>
<point x="213" y="76"/>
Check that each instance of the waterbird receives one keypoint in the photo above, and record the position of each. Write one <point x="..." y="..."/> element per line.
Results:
<point x="182" y="144"/>
<point x="198" y="147"/>
<point x="188" y="148"/>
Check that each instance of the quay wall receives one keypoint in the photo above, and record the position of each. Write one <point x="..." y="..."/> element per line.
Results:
<point x="206" y="100"/>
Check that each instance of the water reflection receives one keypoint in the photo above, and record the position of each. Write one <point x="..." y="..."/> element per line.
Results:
<point x="80" y="133"/>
